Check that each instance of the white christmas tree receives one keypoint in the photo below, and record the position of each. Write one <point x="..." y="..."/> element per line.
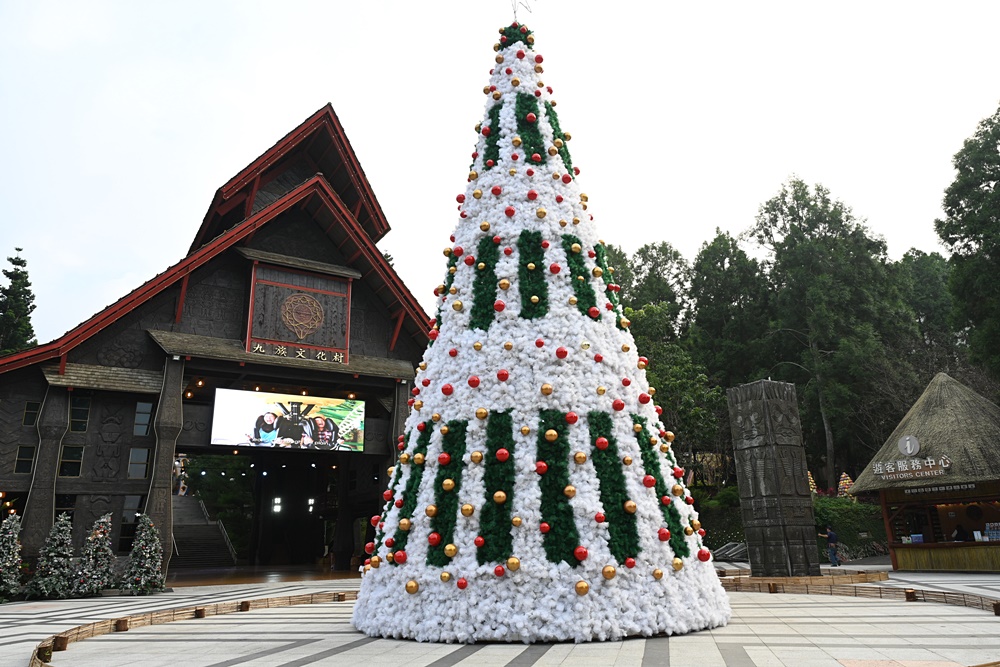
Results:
<point x="55" y="573"/>
<point x="10" y="557"/>
<point x="536" y="497"/>
<point x="96" y="570"/>
<point x="143" y="574"/>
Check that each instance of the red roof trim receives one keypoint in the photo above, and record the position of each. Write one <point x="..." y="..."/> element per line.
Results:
<point x="316" y="186"/>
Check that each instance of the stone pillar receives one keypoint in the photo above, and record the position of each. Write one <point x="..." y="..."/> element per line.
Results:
<point x="775" y="500"/>
<point x="399" y="414"/>
<point x="39" y="508"/>
<point x="167" y="426"/>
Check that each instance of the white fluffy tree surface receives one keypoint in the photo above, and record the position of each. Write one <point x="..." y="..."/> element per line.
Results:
<point x="536" y="496"/>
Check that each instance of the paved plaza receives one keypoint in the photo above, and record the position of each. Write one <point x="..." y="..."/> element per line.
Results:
<point x="766" y="631"/>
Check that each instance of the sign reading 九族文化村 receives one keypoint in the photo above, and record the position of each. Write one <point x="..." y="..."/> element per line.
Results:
<point x="913" y="468"/>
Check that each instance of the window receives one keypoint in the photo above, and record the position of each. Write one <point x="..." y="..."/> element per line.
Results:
<point x="65" y="504"/>
<point x="143" y="416"/>
<point x="130" y="512"/>
<point x="79" y="413"/>
<point x="31" y="409"/>
<point x="25" y="459"/>
<point x="71" y="461"/>
<point x="138" y="463"/>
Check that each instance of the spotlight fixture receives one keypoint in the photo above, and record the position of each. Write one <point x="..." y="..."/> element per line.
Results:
<point x="352" y="396"/>
<point x="200" y="383"/>
<point x="188" y="394"/>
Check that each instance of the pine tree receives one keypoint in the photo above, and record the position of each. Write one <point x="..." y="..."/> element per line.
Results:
<point x="96" y="571"/>
<point x="54" y="575"/>
<point x="17" y="302"/>
<point x="143" y="573"/>
<point x="537" y="496"/>
<point x="10" y="557"/>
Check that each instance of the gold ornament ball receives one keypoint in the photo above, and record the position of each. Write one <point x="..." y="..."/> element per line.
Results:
<point x="504" y="284"/>
<point x="582" y="588"/>
<point x="670" y="434"/>
<point x="447" y="252"/>
<point x="515" y="81"/>
<point x="653" y="440"/>
<point x="598" y="272"/>
<point x="436" y="417"/>
<point x="513" y="564"/>
<point x="553" y="151"/>
<point x="696" y="524"/>
<point x="584" y="345"/>
<point x="376" y="561"/>
<point x="576" y="221"/>
<point x="525" y="430"/>
<point x="630" y="506"/>
<point x="664" y="448"/>
<point x="367" y="568"/>
<point x="500" y="497"/>
<point x="444" y="429"/>
<point x="423" y="364"/>
<point x="538" y="68"/>
<point x="390" y="470"/>
<point x="476" y="457"/>
<point x="418" y="405"/>
<point x="412" y="587"/>
<point x="484" y="226"/>
<point x="508" y="345"/>
<point x="637" y="428"/>
<point x="390" y="557"/>
<point x="477" y="194"/>
<point x="541" y="213"/>
<point x="557" y="142"/>
<point x="418" y="459"/>
<point x="641" y="365"/>
<point x="626" y="322"/>
<point x="551" y="435"/>
<point x="404" y="458"/>
<point x="516" y="522"/>
<point x="448" y="484"/>
<point x="473" y="175"/>
<point x="609" y="572"/>
<point x="481" y="266"/>
<point x="627" y="460"/>
<point x="547" y="389"/>
<point x="626" y="348"/>
<point x="534" y="299"/>
<point x="678" y="563"/>
<point x="580" y="457"/>
<point x="450" y="550"/>
<point x="431" y="510"/>
<point x="569" y="491"/>
<point x="477" y="346"/>
<point x="467" y="509"/>
<point x="497" y="95"/>
<point x="446" y="577"/>
<point x="572" y="300"/>
<point x="512" y="171"/>
<point x="516" y="141"/>
<point x="657" y="574"/>
<point x="563" y="223"/>
<point x="499" y="58"/>
<point x="688" y="530"/>
<point x="481" y="413"/>
<point x="576" y="248"/>
<point x="404" y="525"/>
<point x="601" y="391"/>
<point x="677" y="489"/>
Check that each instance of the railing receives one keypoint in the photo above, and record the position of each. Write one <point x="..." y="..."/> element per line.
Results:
<point x="173" y="541"/>
<point x="232" y="551"/>
<point x="204" y="511"/>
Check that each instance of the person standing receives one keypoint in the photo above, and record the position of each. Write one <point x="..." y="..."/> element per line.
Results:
<point x="831" y="545"/>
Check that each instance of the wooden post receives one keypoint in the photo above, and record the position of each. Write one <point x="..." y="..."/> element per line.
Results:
<point x="199" y="612"/>
<point x="60" y="642"/>
<point x="772" y="587"/>
<point x="121" y="625"/>
<point x="245" y="605"/>
<point x="44" y="653"/>
<point x="911" y="595"/>
<point x="996" y="608"/>
<point x="889" y="537"/>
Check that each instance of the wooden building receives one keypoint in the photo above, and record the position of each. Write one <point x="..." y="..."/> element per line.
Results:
<point x="938" y="477"/>
<point x="283" y="289"/>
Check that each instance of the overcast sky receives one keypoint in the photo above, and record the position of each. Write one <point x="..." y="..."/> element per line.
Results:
<point x="120" y="119"/>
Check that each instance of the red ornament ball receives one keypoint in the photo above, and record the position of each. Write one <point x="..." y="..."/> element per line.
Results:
<point x="649" y="481"/>
<point x="626" y="382"/>
<point x="544" y="527"/>
<point x="426" y="382"/>
<point x="432" y="334"/>
<point x="421" y="426"/>
<point x="541" y="467"/>
<point x="370" y="548"/>
<point x="434" y="539"/>
<point x="678" y="472"/>
<point x="444" y="458"/>
<point x="460" y="199"/>
<point x="496" y="189"/>
<point x="538" y="59"/>
<point x="531" y="117"/>
<point x="663" y="534"/>
<point x="689" y="500"/>
<point x="387" y="495"/>
<point x="539" y="343"/>
<point x="503" y="375"/>
<point x="535" y="157"/>
<point x="580" y="553"/>
<point x="644" y="398"/>
<point x="601" y="443"/>
<point x="598" y="358"/>
<point x="486" y="131"/>
<point x="390" y="542"/>
<point x="374" y="520"/>
<point x="514" y="156"/>
<point x="502" y="454"/>
<point x="599" y="517"/>
<point x="462" y="584"/>
<point x="399" y="502"/>
<point x="554" y="268"/>
<point x="594" y="312"/>
<point x="508" y="251"/>
<point x="453" y="352"/>
<point x="447" y="390"/>
<point x="499" y="570"/>
<point x="561" y="352"/>
<point x="479" y="541"/>
<point x="618" y="404"/>
<point x="496" y="240"/>
<point x="532" y="195"/>
<point x="530" y="172"/>
<point x="499" y="305"/>
<point x="509" y="211"/>
<point x="630" y="562"/>
<point x="701" y="532"/>
<point x="704" y="555"/>
<point x="572" y="417"/>
<point x="519" y="54"/>
<point x="474" y="381"/>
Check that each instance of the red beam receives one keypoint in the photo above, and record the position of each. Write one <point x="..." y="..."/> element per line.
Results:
<point x="180" y="299"/>
<point x="395" y="332"/>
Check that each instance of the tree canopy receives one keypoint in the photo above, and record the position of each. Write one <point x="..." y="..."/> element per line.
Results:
<point x="17" y="302"/>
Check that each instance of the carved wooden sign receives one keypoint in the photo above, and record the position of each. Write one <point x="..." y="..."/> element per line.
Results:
<point x="299" y="315"/>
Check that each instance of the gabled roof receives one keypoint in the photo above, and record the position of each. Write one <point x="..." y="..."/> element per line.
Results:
<point x="318" y="145"/>
<point x="948" y="419"/>
<point x="314" y="196"/>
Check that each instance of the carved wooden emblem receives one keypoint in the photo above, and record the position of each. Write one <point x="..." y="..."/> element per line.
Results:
<point x="302" y="314"/>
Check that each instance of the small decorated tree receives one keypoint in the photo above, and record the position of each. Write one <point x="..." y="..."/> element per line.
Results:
<point x="812" y="483"/>
<point x="55" y="573"/>
<point x="97" y="567"/>
<point x="143" y="573"/>
<point x="10" y="557"/>
<point x="844" y="485"/>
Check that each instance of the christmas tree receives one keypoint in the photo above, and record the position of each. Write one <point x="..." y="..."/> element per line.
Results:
<point x="54" y="575"/>
<point x="10" y="557"/>
<point x="844" y="485"/>
<point x="143" y="573"/>
<point x="96" y="570"/>
<point x="536" y="497"/>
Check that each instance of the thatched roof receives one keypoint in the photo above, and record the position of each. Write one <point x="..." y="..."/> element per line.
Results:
<point x="948" y="420"/>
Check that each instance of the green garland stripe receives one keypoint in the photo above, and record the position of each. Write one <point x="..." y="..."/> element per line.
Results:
<point x="449" y="279"/>
<point x="412" y="486"/>
<point x="586" y="298"/>
<point x="443" y="523"/>
<point x="562" y="537"/>
<point x="651" y="464"/>
<point x="484" y="286"/>
<point x="622" y="526"/>
<point x="495" y="526"/>
<point x="602" y="261"/>
<point x="492" y="151"/>
<point x="532" y="281"/>
<point x="396" y="475"/>
<point x="557" y="132"/>
<point x="531" y="136"/>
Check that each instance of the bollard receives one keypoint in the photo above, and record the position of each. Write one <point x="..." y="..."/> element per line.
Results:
<point x="245" y="605"/>
<point x="199" y="612"/>
<point x="121" y="625"/>
<point x="44" y="653"/>
<point x="60" y="642"/>
<point x="996" y="608"/>
<point x="911" y="595"/>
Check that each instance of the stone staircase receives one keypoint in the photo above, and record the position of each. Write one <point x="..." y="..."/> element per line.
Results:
<point x="200" y="542"/>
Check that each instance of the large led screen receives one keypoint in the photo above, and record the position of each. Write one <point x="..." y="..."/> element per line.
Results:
<point x="265" y="419"/>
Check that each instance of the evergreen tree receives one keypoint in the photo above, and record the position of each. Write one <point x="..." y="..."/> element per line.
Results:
<point x="537" y="496"/>
<point x="10" y="557"/>
<point x="17" y="302"/>
<point x="55" y="573"/>
<point x="143" y="573"/>
<point x="96" y="570"/>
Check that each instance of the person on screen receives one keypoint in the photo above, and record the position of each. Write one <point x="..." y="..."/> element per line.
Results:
<point x="265" y="431"/>
<point x="293" y="433"/>
<point x="324" y="432"/>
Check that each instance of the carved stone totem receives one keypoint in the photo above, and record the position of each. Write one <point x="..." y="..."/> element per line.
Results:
<point x="774" y="487"/>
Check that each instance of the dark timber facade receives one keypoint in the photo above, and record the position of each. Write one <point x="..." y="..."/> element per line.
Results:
<point x="91" y="422"/>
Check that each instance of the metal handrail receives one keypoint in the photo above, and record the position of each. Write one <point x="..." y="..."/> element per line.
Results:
<point x="204" y="510"/>
<point x="173" y="540"/>
<point x="225" y="534"/>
